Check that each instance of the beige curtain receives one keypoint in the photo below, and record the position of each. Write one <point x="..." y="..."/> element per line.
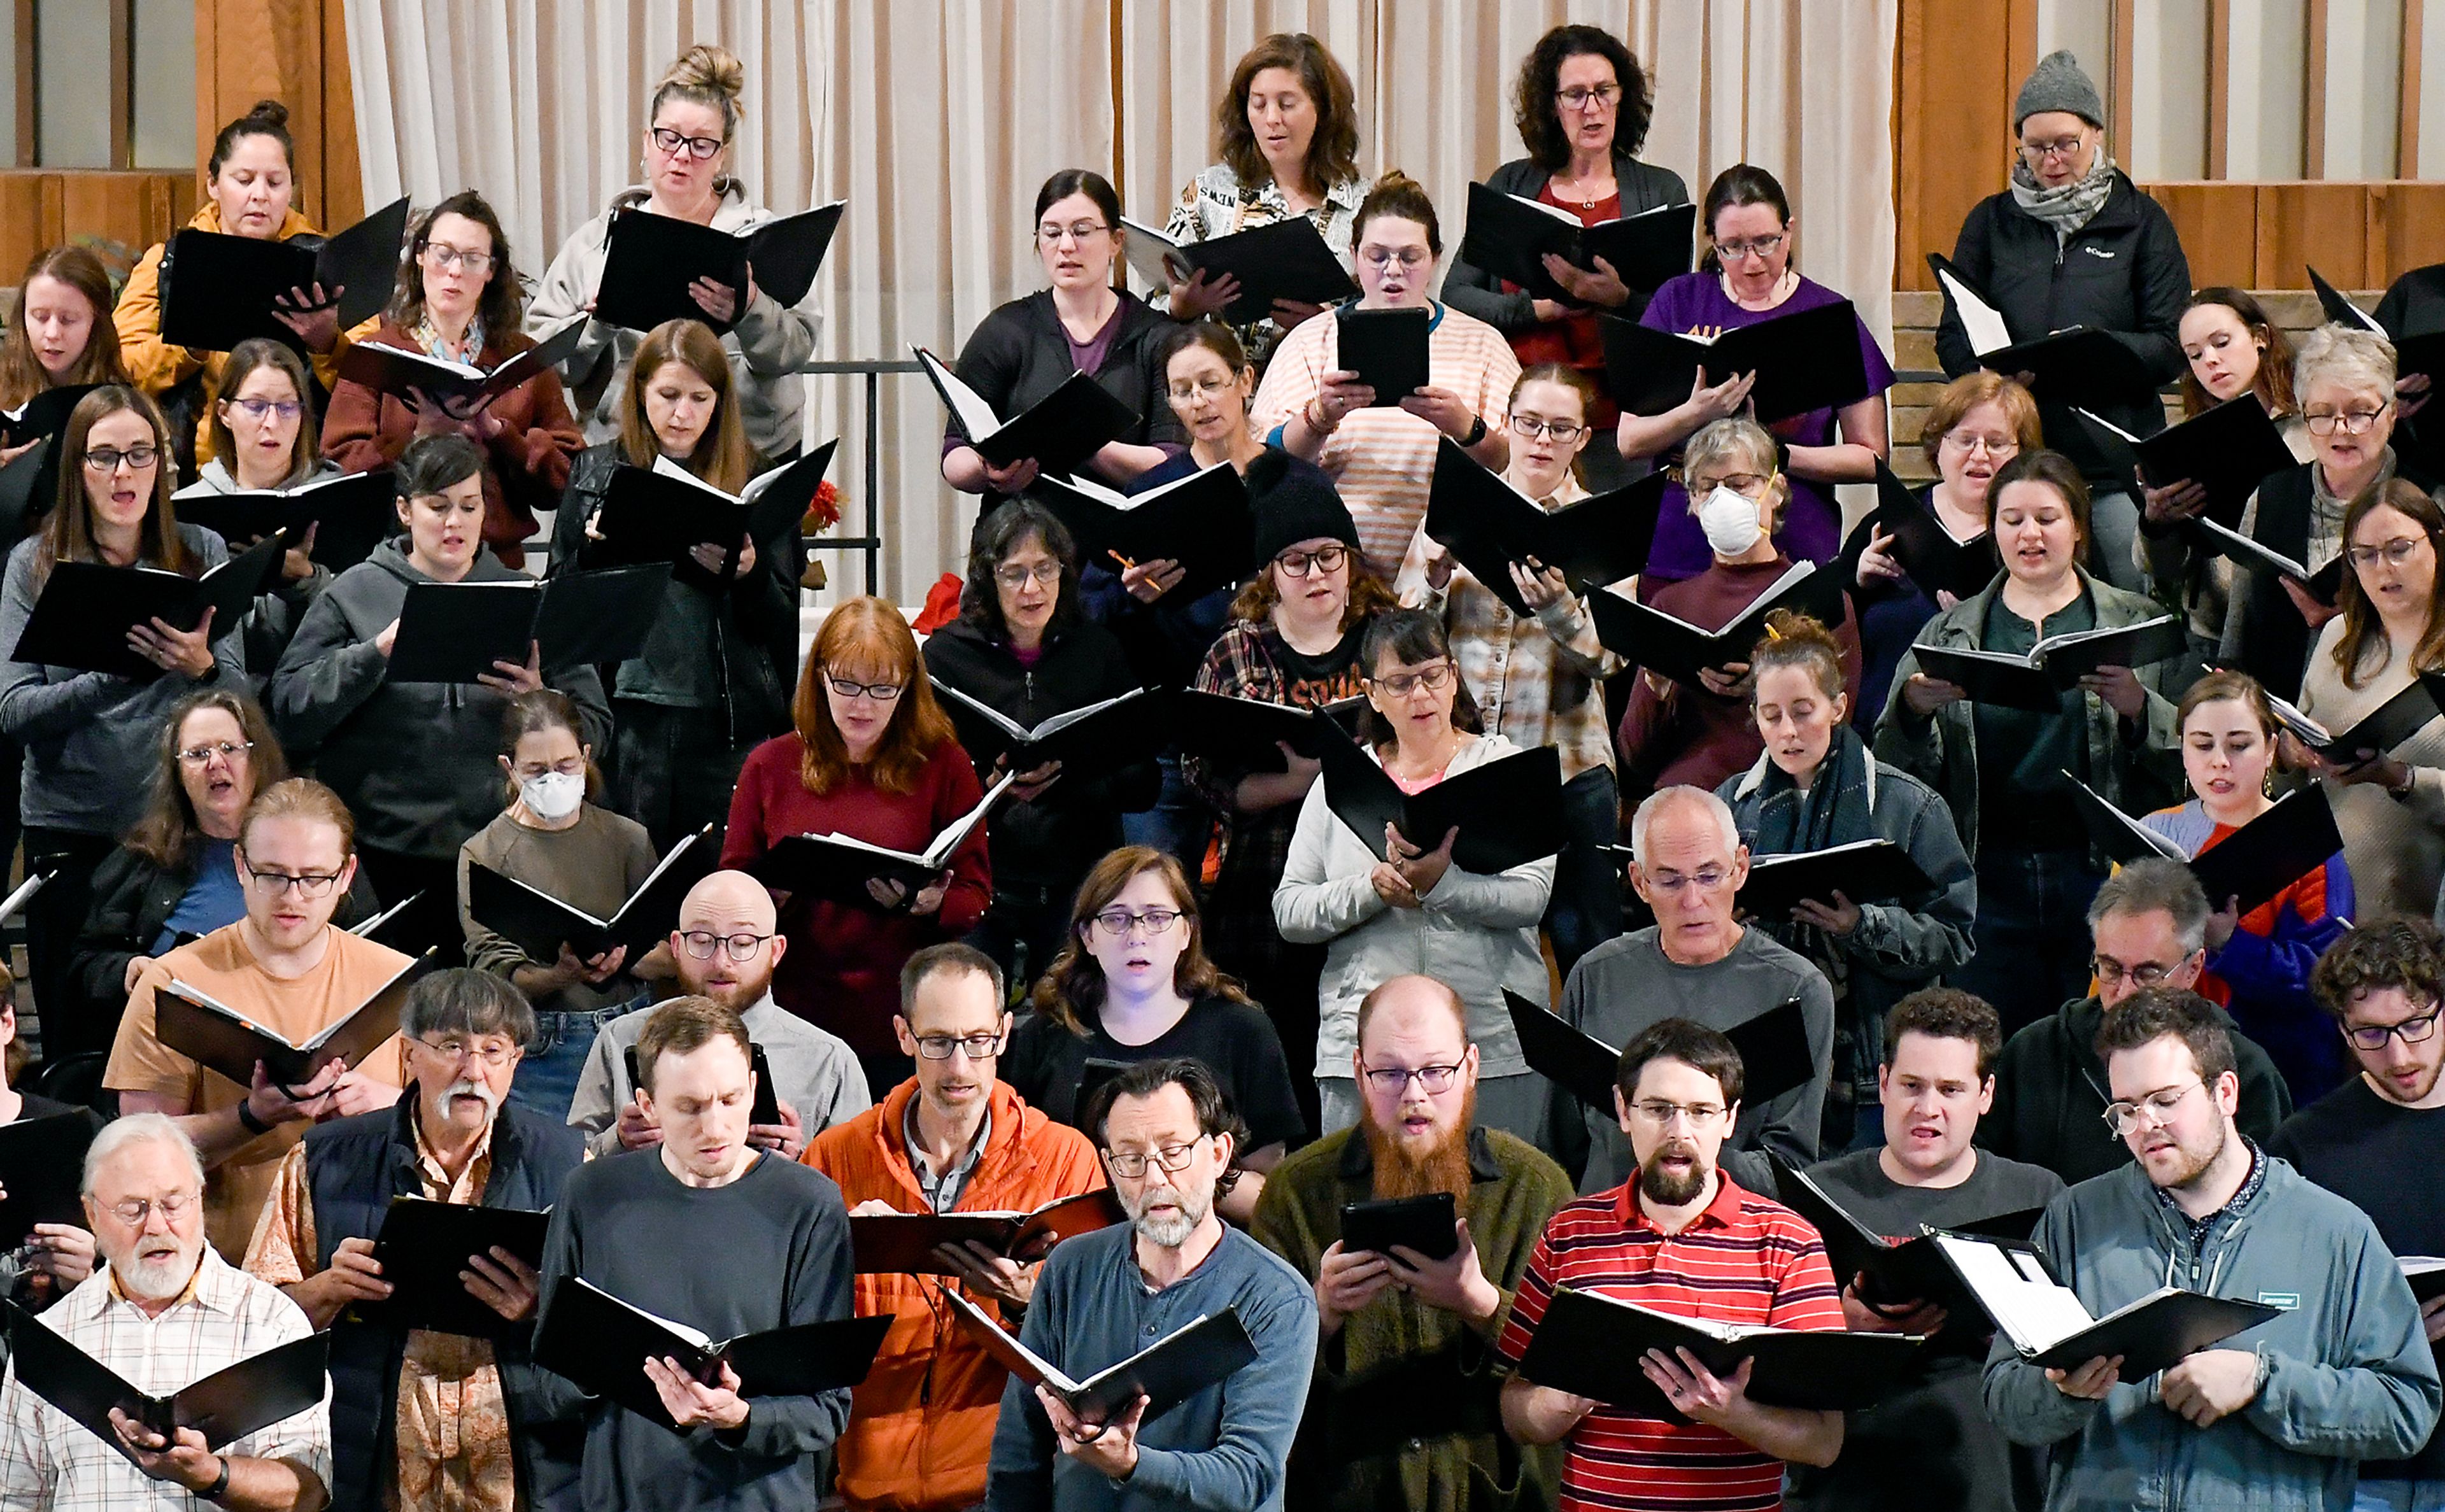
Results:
<point x="938" y="118"/>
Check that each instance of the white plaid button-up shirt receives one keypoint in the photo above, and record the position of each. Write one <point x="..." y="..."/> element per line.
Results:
<point x="50" y="1463"/>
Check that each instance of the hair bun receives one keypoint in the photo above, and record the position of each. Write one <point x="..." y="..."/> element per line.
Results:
<point x="270" y="113"/>
<point x="709" y="68"/>
<point x="1393" y="179"/>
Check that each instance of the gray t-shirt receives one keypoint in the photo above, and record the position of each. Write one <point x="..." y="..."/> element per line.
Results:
<point x="1625" y="984"/>
<point x="1931" y="1443"/>
<point x="813" y="1071"/>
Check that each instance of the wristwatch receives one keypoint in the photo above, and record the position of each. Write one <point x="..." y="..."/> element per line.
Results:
<point x="246" y="1117"/>
<point x="1476" y="432"/>
<point x="220" y="1485"/>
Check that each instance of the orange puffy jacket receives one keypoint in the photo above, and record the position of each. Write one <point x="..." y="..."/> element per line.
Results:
<point x="921" y="1427"/>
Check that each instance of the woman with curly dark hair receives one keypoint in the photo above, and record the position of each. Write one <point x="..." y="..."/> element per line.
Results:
<point x="1582" y="105"/>
<point x="1132" y="983"/>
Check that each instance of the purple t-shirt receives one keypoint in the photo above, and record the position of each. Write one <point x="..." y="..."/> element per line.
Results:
<point x="1811" y="526"/>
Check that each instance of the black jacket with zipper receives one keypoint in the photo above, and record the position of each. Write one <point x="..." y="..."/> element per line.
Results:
<point x="2122" y="272"/>
<point x="1051" y="841"/>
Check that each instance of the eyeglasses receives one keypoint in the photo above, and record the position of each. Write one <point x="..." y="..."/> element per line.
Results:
<point x="2395" y="551"/>
<point x="1747" y="485"/>
<point x="1992" y="445"/>
<point x="702" y="943"/>
<point x="1706" y="879"/>
<point x="440" y="256"/>
<point x="201" y="755"/>
<point x="1564" y="432"/>
<point x="1395" y="1080"/>
<point x="306" y="884"/>
<point x="671" y="142"/>
<point x="1119" y="921"/>
<point x="1018" y="576"/>
<point x="106" y="459"/>
<point x="1602" y="96"/>
<point x="2112" y="972"/>
<point x="288" y="409"/>
<point x="879" y="692"/>
<point x="1400" y="685"/>
<point x="1324" y="559"/>
<point x="939" y="1047"/>
<point x="135" y="1210"/>
<point x="1129" y="1165"/>
<point x="2061" y="147"/>
<point x="1661" y="1113"/>
<point x="2350" y="421"/>
<point x="1077" y="231"/>
<point x="2415" y="1029"/>
<point x="492" y="1052"/>
<point x="1381" y="257"/>
<point x="1760" y="246"/>
<point x="1209" y="389"/>
<point x="2158" y="1108"/>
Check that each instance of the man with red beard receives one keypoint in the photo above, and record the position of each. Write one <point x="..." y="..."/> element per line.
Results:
<point x="1682" y="1236"/>
<point x="1404" y="1410"/>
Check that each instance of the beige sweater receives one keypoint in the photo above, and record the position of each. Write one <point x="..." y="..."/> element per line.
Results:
<point x="2395" y="847"/>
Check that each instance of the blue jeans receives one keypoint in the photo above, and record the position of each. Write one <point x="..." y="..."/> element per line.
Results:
<point x="547" y="1079"/>
<point x="1585" y="910"/>
<point x="2031" y="935"/>
<point x="2398" y="1496"/>
<point x="1179" y="824"/>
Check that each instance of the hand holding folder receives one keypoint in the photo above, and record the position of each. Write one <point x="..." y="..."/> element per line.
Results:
<point x="665" y="512"/>
<point x="651" y="263"/>
<point x="1591" y="1345"/>
<point x="1248" y="735"/>
<point x="543" y="925"/>
<point x="2252" y="864"/>
<point x="2050" y="1326"/>
<point x="1507" y="811"/>
<point x="455" y="632"/>
<point x="423" y="1246"/>
<point x="87" y="614"/>
<point x="1200" y="522"/>
<point x="219" y="289"/>
<point x="1059" y="431"/>
<point x="1511" y="236"/>
<point x="1937" y="560"/>
<point x="41" y="1169"/>
<point x="1205" y="1352"/>
<point x="1672" y="647"/>
<point x="341" y="517"/>
<point x="1803" y="362"/>
<point x="227" y="1404"/>
<point x="1281" y="260"/>
<point x="906" y="1243"/>
<point x="1487" y="525"/>
<point x="223" y="1039"/>
<point x="1898" y="1270"/>
<point x="2073" y="364"/>
<point x="839" y="867"/>
<point x="1387" y="348"/>
<point x="460" y="389"/>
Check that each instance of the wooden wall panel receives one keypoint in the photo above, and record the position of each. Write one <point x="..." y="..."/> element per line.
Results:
<point x="2406" y="230"/>
<point x="2220" y="230"/>
<point x="41" y="208"/>
<point x="294" y="51"/>
<point x="30" y="206"/>
<point x="2306" y="225"/>
<point x="1952" y="107"/>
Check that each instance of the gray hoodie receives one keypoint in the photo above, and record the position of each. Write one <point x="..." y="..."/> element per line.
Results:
<point x="89" y="736"/>
<point x="413" y="760"/>
<point x="767" y="347"/>
<point x="2347" y="1371"/>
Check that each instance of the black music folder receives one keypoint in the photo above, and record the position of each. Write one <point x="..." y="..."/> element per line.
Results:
<point x="1672" y="647"/>
<point x="2052" y="667"/>
<point x="350" y="513"/>
<point x="86" y="609"/>
<point x="218" y="290"/>
<point x="837" y="865"/>
<point x="2414" y="353"/>
<point x="41" y="1169"/>
<point x="222" y="1038"/>
<point x="1863" y="871"/>
<point x="1200" y="521"/>
<point x="2078" y="363"/>
<point x="649" y="260"/>
<point x="227" y="1404"/>
<point x="663" y="512"/>
<point x="1247" y="734"/>
<point x="30" y="487"/>
<point x="2392" y="722"/>
<point x="1088" y="740"/>
<point x="1773" y="1047"/>
<point x="2254" y="555"/>
<point x="539" y="924"/>
<point x="453" y="632"/>
<point x="423" y="1246"/>
<point x="600" y="1344"/>
<point x="1286" y="259"/>
<point x="1508" y="811"/>
<point x="1509" y="235"/>
<point x="2294" y="837"/>
<point x="1591" y="1345"/>
<point x="2048" y="1325"/>
<point x="1205" y="1352"/>
<point x="1803" y="362"/>
<point x="1387" y="348"/>
<point x="2228" y="451"/>
<point x="1428" y="1223"/>
<point x="2426" y="1273"/>
<point x="904" y="1244"/>
<point x="45" y="414"/>
<point x="1061" y="431"/>
<point x="1487" y="525"/>
<point x="397" y="370"/>
<point x="1899" y="1270"/>
<point x="1926" y="548"/>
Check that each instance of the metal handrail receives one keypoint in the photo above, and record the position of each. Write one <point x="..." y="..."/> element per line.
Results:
<point x="871" y="541"/>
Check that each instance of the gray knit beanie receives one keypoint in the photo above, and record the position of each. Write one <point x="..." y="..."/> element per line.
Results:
<point x="2058" y="84"/>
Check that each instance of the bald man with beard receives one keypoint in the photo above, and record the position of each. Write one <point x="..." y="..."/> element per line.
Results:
<point x="725" y="948"/>
<point x="1405" y="1408"/>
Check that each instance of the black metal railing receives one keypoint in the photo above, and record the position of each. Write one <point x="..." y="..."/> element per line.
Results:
<point x="870" y="539"/>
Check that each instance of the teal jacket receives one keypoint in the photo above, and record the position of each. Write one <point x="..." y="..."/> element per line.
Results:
<point x="2349" y="1372"/>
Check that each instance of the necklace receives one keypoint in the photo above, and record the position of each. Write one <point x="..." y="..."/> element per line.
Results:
<point x="1584" y="200"/>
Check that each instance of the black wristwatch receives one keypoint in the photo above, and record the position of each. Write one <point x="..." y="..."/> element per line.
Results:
<point x="220" y="1485"/>
<point x="1476" y="432"/>
<point x="246" y="1117"/>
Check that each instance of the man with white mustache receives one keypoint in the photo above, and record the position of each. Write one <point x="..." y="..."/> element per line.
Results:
<point x="164" y="1311"/>
<point x="462" y="1400"/>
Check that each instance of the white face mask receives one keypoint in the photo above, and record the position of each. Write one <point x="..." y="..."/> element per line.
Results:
<point x="552" y="796"/>
<point x="1731" y="521"/>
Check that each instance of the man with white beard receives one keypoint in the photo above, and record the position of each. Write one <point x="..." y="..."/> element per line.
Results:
<point x="164" y="1311"/>
<point x="1165" y="1139"/>
<point x="458" y="1399"/>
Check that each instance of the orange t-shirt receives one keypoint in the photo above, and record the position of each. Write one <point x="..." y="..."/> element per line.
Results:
<point x="295" y="1008"/>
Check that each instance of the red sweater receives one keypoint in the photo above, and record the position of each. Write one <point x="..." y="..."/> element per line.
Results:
<point x="1693" y="737"/>
<point x="842" y="969"/>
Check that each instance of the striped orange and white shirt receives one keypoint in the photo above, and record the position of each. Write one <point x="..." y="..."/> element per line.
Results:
<point x="1744" y="1260"/>
<point x="1383" y="459"/>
